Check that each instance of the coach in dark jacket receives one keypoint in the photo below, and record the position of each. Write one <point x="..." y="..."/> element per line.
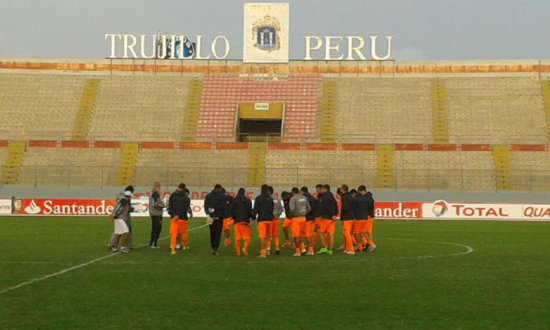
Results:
<point x="214" y="206"/>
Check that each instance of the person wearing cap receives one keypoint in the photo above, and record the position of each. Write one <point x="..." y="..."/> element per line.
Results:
<point x="156" y="207"/>
<point x="178" y="207"/>
<point x="118" y="198"/>
<point x="121" y="214"/>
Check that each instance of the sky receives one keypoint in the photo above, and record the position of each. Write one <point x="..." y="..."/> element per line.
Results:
<point x="422" y="29"/>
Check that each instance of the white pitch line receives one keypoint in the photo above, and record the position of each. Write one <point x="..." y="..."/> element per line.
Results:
<point x="66" y="270"/>
<point x="469" y="249"/>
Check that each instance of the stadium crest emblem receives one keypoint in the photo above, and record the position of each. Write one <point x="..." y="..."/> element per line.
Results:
<point x="440" y="207"/>
<point x="266" y="32"/>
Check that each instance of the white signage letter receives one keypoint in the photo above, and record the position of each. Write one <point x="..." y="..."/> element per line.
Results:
<point x="198" y="50"/>
<point x="309" y="47"/>
<point x="129" y="46"/>
<point x="373" y="48"/>
<point x="113" y="43"/>
<point x="142" y="48"/>
<point x="227" y="47"/>
<point x="355" y="49"/>
<point x="329" y="48"/>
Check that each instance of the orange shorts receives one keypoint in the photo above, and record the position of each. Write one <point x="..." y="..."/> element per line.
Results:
<point x="360" y="226"/>
<point x="310" y="228"/>
<point x="242" y="230"/>
<point x="287" y="223"/>
<point x="298" y="226"/>
<point x="326" y="226"/>
<point x="368" y="226"/>
<point x="178" y="226"/>
<point x="275" y="228"/>
<point x="264" y="229"/>
<point x="227" y="223"/>
<point x="317" y="222"/>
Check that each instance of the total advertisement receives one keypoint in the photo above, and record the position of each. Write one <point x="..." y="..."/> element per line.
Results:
<point x="443" y="210"/>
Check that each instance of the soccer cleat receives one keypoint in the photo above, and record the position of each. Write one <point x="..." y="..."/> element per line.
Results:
<point x="114" y="249"/>
<point x="262" y="256"/>
<point x="371" y="248"/>
<point x="124" y="250"/>
<point x="350" y="252"/>
<point x="310" y="254"/>
<point x="303" y="252"/>
<point x="186" y="248"/>
<point x="322" y="250"/>
<point x="173" y="252"/>
<point x="178" y="247"/>
<point x="277" y="252"/>
<point x="214" y="252"/>
<point x="245" y="252"/>
<point x="329" y="252"/>
<point x="296" y="255"/>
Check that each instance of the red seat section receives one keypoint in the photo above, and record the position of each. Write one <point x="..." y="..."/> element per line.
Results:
<point x="222" y="94"/>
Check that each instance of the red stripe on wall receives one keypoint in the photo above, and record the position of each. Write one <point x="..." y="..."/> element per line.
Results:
<point x="321" y="146"/>
<point x="359" y="146"/>
<point x="157" y="145"/>
<point x="528" y="147"/>
<point x="284" y="146"/>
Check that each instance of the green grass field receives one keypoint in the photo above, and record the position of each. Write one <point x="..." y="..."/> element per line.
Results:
<point x="416" y="279"/>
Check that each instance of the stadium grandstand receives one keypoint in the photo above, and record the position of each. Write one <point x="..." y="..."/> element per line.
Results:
<point x="460" y="126"/>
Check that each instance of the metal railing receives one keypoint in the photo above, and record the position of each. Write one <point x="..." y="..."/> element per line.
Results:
<point x="234" y="177"/>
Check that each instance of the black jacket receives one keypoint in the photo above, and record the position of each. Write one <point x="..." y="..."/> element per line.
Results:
<point x="347" y="207"/>
<point x="286" y="205"/>
<point x="263" y="208"/>
<point x="313" y="203"/>
<point x="364" y="206"/>
<point x="371" y="204"/>
<point x="241" y="209"/>
<point x="318" y="206"/>
<point x="227" y="208"/>
<point x="328" y="206"/>
<point x="215" y="200"/>
<point x="179" y="204"/>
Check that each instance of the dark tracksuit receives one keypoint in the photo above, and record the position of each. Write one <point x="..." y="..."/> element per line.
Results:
<point x="361" y="207"/>
<point x="370" y="200"/>
<point x="313" y="203"/>
<point x="241" y="209"/>
<point x="179" y="204"/>
<point x="214" y="206"/>
<point x="263" y="208"/>
<point x="155" y="212"/>
<point x="227" y="209"/>
<point x="347" y="207"/>
<point x="286" y="205"/>
<point x="328" y="207"/>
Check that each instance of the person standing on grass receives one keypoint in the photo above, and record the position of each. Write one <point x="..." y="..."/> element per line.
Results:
<point x="263" y="213"/>
<point x="362" y="210"/>
<point x="277" y="211"/>
<point x="285" y="196"/>
<point x="299" y="208"/>
<point x="310" y="220"/>
<point x="119" y="197"/>
<point x="227" y="219"/>
<point x="347" y="217"/>
<point x="329" y="211"/>
<point x="156" y="209"/>
<point x="370" y="222"/>
<point x="121" y="214"/>
<point x="214" y="206"/>
<point x="178" y="206"/>
<point x="241" y="212"/>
